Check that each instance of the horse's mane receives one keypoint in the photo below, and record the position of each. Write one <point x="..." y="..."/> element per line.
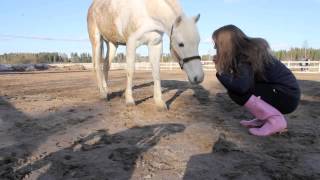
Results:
<point x="175" y="6"/>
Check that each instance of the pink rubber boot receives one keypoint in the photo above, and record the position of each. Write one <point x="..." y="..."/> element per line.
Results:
<point x="274" y="120"/>
<point x="254" y="123"/>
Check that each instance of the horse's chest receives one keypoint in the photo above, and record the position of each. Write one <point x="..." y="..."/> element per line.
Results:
<point x="151" y="38"/>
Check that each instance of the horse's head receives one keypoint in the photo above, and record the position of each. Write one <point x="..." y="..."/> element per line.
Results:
<point x="184" y="44"/>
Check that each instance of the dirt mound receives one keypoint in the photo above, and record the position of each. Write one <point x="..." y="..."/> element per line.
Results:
<point x="23" y="67"/>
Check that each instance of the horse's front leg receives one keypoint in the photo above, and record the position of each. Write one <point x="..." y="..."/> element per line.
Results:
<point x="131" y="50"/>
<point x="155" y="53"/>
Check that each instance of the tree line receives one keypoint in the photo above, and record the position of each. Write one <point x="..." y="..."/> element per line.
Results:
<point x="51" y="58"/>
<point x="298" y="54"/>
<point x="36" y="58"/>
<point x="294" y="54"/>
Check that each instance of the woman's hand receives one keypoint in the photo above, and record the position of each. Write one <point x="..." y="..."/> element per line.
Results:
<point x="214" y="59"/>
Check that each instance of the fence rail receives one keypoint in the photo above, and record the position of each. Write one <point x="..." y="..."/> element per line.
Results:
<point x="295" y="66"/>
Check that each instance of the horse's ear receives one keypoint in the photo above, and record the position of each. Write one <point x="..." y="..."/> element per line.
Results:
<point x="178" y="21"/>
<point x="196" y="18"/>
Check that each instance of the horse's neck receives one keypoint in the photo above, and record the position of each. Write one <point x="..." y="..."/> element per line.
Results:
<point x="175" y="6"/>
<point x="176" y="11"/>
<point x="166" y="12"/>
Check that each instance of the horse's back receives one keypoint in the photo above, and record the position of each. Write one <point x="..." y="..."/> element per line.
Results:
<point x="116" y="19"/>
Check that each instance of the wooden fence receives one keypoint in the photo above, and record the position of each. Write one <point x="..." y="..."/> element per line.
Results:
<point x="295" y="66"/>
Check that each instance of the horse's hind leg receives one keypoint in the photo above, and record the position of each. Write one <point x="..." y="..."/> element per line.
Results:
<point x="131" y="50"/>
<point x="111" y="53"/>
<point x="98" y="61"/>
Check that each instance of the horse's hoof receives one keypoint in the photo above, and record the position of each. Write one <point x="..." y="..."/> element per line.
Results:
<point x="162" y="108"/>
<point x="103" y="93"/>
<point x="104" y="96"/>
<point x="130" y="103"/>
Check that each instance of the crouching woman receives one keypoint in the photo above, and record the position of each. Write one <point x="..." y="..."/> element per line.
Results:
<point x="255" y="79"/>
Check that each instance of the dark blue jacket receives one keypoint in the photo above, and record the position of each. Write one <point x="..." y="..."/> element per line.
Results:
<point x="275" y="74"/>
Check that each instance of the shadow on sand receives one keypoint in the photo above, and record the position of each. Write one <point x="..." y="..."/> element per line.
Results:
<point x="101" y="155"/>
<point x="200" y="93"/>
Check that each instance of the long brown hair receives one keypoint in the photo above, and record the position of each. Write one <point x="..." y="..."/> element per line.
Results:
<point x="233" y="46"/>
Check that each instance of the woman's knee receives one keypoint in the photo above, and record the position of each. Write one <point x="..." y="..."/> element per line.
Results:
<point x="289" y="107"/>
<point x="239" y="99"/>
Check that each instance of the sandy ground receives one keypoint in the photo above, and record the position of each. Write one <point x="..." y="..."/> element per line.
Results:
<point x="54" y="126"/>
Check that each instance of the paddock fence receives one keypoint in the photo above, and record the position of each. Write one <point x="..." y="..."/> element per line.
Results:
<point x="295" y="66"/>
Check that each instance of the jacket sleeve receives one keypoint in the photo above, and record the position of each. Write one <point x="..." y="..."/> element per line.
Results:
<point x="241" y="83"/>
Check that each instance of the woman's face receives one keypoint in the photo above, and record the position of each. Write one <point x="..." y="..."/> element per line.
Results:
<point x="214" y="43"/>
<point x="214" y="47"/>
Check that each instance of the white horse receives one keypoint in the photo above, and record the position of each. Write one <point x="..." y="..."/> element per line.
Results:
<point x="143" y="22"/>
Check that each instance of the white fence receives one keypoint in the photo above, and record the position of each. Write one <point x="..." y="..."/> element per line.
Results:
<point x="303" y="66"/>
<point x="295" y="66"/>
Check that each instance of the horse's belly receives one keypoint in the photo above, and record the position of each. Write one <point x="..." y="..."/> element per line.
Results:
<point x="117" y="20"/>
<point x="114" y="24"/>
<point x="110" y="33"/>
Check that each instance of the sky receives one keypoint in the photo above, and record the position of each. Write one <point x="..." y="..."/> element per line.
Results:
<point x="60" y="26"/>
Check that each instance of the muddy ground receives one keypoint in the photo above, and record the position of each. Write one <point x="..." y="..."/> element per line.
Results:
<point x="54" y="126"/>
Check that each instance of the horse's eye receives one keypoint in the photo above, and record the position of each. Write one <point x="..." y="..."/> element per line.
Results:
<point x="181" y="45"/>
